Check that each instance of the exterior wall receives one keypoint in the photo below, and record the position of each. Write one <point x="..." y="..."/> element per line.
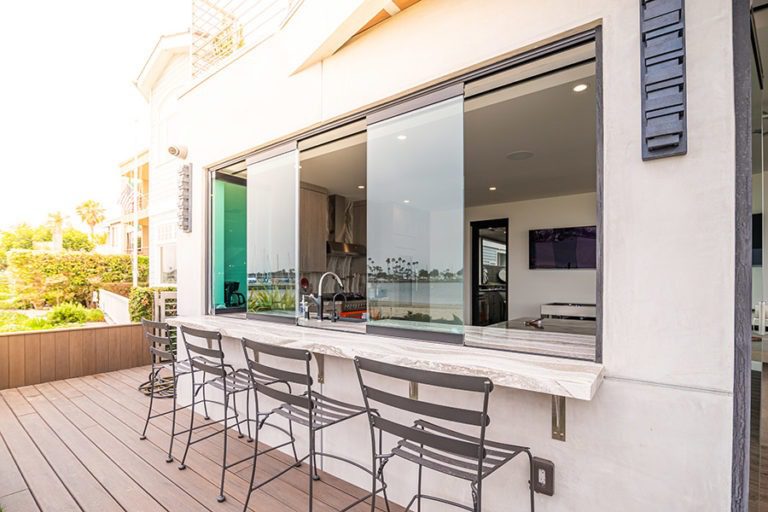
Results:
<point x="165" y="130"/>
<point x="658" y="433"/>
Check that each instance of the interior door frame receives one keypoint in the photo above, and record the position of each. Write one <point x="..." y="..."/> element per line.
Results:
<point x="475" y="227"/>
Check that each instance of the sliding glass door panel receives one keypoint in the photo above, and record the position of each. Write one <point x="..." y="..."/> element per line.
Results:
<point x="415" y="219"/>
<point x="272" y="191"/>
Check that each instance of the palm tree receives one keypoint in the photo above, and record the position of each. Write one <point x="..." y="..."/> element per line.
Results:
<point x="91" y="212"/>
<point x="56" y="223"/>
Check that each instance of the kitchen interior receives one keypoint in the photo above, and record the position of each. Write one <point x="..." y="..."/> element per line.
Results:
<point x="332" y="233"/>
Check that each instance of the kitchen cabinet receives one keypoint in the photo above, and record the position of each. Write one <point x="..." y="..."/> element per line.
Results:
<point x="313" y="228"/>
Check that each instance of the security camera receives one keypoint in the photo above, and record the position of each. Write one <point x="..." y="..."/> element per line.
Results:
<point x="179" y="152"/>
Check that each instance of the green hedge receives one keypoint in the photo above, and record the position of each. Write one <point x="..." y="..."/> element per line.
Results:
<point x="42" y="278"/>
<point x="141" y="302"/>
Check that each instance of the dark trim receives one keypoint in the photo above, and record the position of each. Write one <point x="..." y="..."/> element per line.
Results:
<point x="228" y="311"/>
<point x="415" y="334"/>
<point x="277" y="150"/>
<point x="278" y="319"/>
<point x="600" y="189"/>
<point x="742" y="88"/>
<point x="229" y="178"/>
<point x="208" y="295"/>
<point x="474" y="228"/>
<point x="409" y="105"/>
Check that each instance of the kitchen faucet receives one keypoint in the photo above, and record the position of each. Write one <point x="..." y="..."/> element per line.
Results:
<point x="320" y="292"/>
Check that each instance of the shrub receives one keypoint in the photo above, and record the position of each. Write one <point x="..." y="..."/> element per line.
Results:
<point x="141" y="302"/>
<point x="68" y="313"/>
<point x="74" y="240"/>
<point x="23" y="236"/>
<point x="40" y="278"/>
<point x="94" y="315"/>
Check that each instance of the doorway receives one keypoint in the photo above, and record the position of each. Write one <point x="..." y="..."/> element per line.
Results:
<point x="489" y="271"/>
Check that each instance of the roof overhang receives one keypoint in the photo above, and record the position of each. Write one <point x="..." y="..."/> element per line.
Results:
<point x="167" y="47"/>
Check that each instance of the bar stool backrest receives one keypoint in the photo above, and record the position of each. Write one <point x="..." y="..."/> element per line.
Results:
<point x="208" y="358"/>
<point x="258" y="371"/>
<point x="158" y="338"/>
<point x="468" y="446"/>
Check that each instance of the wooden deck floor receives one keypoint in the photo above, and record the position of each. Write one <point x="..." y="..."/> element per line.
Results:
<point x="74" y="445"/>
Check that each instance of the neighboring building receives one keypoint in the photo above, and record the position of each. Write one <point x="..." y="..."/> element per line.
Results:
<point x="467" y="167"/>
<point x="165" y="75"/>
<point x="120" y="231"/>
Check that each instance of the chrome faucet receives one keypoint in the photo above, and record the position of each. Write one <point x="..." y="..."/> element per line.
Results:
<point x="320" y="292"/>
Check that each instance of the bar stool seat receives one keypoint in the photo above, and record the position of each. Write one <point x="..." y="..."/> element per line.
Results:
<point x="239" y="380"/>
<point x="496" y="454"/>
<point x="325" y="412"/>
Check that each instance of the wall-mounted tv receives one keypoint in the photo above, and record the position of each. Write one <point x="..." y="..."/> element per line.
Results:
<point x="563" y="248"/>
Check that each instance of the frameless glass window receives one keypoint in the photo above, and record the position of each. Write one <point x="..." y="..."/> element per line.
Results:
<point x="229" y="244"/>
<point x="272" y="190"/>
<point x="415" y="219"/>
<point x="168" y="264"/>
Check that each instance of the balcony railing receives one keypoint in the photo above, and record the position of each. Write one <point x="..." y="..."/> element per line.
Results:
<point x="220" y="28"/>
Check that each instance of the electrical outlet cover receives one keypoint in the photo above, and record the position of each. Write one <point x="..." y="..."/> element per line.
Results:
<point x="544" y="476"/>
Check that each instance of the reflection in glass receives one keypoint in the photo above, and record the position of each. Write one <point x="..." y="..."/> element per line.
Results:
<point x="272" y="186"/>
<point x="416" y="211"/>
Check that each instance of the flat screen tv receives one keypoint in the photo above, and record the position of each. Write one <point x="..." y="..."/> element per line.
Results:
<point x="563" y="248"/>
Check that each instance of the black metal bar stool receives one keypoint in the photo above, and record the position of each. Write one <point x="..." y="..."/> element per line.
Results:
<point x="209" y="370"/>
<point x="309" y="409"/>
<point x="163" y="354"/>
<point x="431" y="445"/>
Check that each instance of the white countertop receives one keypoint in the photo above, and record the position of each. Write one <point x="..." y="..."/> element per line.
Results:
<point x="551" y="375"/>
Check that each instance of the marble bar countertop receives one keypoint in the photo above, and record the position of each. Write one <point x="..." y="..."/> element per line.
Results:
<point x="542" y="374"/>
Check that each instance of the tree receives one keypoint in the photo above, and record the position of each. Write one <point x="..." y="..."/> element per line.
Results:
<point x="74" y="240"/>
<point x="23" y="236"/>
<point x="91" y="212"/>
<point x="56" y="224"/>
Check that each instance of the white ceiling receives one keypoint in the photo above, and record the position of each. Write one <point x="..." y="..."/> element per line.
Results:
<point x="544" y="116"/>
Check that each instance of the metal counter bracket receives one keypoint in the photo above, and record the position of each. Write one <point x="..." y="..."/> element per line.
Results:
<point x="413" y="390"/>
<point x="558" y="418"/>
<point x="320" y="358"/>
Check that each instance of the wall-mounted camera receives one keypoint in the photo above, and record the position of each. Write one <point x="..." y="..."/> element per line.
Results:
<point x="179" y="152"/>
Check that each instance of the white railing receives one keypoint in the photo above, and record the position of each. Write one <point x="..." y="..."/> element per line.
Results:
<point x="221" y="28"/>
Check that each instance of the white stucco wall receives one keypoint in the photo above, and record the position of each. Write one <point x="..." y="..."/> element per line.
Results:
<point x="658" y="434"/>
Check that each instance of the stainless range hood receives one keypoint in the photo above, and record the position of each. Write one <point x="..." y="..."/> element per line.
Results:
<point x="344" y="249"/>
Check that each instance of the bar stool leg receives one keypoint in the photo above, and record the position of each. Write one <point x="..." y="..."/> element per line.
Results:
<point x="418" y="491"/>
<point x="240" y="434"/>
<point x="173" y="418"/>
<point x="312" y="469"/>
<point x="253" y="468"/>
<point x="220" y="498"/>
<point x="315" y="476"/>
<point x="191" y="425"/>
<point x="205" y="402"/>
<point x="530" y="483"/>
<point x="248" y="414"/>
<point x="152" y="378"/>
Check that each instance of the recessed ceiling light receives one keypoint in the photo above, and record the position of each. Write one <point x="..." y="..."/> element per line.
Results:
<point x="580" y="88"/>
<point x="519" y="155"/>
<point x="491" y="188"/>
<point x="406" y="201"/>
<point x="402" y="137"/>
<point x="361" y="187"/>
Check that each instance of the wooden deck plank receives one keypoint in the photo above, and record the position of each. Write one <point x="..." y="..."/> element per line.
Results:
<point x="127" y="492"/>
<point x="76" y="353"/>
<point x="43" y="482"/>
<point x="86" y="490"/>
<point x="162" y="488"/>
<point x="21" y="501"/>
<point x="290" y="488"/>
<point x="208" y="468"/>
<point x="331" y="490"/>
<point x="11" y="480"/>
